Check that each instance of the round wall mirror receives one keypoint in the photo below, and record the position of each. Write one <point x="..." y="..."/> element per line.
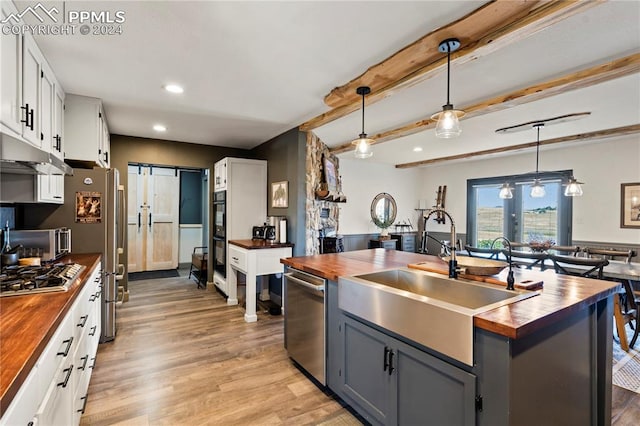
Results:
<point x="383" y="210"/>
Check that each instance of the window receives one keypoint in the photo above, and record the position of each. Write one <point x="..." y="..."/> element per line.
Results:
<point x="521" y="218"/>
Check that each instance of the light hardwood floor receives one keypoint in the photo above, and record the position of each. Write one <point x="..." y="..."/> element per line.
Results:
<point x="183" y="357"/>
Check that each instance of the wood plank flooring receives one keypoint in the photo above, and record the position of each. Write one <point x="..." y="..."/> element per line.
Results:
<point x="183" y="357"/>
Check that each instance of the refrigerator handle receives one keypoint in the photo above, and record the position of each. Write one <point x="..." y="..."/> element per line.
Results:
<point x="120" y="273"/>
<point x="122" y="213"/>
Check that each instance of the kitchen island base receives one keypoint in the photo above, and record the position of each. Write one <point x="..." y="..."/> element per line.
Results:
<point x="558" y="375"/>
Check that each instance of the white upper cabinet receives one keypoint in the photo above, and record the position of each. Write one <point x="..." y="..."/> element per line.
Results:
<point x="10" y="76"/>
<point x="31" y="59"/>
<point x="47" y="99"/>
<point x="57" y="148"/>
<point x="29" y="92"/>
<point x="86" y="131"/>
<point x="50" y="189"/>
<point x="220" y="175"/>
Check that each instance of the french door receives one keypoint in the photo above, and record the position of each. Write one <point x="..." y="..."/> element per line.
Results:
<point x="153" y="218"/>
<point x="521" y="218"/>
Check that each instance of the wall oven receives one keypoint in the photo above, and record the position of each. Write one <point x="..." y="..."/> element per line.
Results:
<point x="219" y="242"/>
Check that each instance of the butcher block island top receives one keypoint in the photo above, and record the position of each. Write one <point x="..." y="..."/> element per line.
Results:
<point x="560" y="296"/>
<point x="28" y="322"/>
<point x="258" y="244"/>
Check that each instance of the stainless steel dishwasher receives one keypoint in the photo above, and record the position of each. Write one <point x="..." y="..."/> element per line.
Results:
<point x="304" y="318"/>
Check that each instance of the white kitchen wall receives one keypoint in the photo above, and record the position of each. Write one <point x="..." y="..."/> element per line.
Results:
<point x="190" y="237"/>
<point x="362" y="180"/>
<point x="603" y="166"/>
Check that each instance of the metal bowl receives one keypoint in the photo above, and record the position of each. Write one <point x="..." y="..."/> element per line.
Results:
<point x="479" y="266"/>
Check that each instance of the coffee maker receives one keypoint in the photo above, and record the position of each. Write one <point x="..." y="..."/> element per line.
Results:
<point x="279" y="223"/>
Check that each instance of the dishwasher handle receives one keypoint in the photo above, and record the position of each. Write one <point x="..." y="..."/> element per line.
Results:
<point x="306" y="284"/>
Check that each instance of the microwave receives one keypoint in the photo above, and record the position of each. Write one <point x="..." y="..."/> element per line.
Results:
<point x="48" y="244"/>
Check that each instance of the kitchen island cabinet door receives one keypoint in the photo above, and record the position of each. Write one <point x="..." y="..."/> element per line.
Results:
<point x="431" y="391"/>
<point x="365" y="379"/>
<point x="390" y="382"/>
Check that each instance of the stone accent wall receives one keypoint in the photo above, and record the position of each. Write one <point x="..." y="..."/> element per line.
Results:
<point x="315" y="150"/>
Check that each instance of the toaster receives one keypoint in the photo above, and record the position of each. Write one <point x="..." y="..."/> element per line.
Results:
<point x="258" y="233"/>
<point x="266" y="232"/>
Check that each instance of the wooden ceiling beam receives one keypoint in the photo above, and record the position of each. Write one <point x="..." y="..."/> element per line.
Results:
<point x="599" y="134"/>
<point x="578" y="80"/>
<point x="485" y="30"/>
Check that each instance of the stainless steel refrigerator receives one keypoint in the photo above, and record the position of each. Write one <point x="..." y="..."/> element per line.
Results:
<point x="94" y="209"/>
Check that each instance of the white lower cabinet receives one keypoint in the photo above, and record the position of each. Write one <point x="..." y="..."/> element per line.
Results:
<point x="25" y="404"/>
<point x="55" y="391"/>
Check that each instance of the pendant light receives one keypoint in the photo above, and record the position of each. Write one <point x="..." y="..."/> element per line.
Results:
<point x="506" y="192"/>
<point x="448" y="125"/>
<point x="363" y="143"/>
<point x="573" y="188"/>
<point x="537" y="189"/>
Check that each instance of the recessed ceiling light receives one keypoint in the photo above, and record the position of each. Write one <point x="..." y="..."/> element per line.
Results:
<point x="173" y="88"/>
<point x="159" y="128"/>
<point x="417" y="149"/>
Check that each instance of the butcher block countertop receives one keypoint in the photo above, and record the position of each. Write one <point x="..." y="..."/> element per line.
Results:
<point x="28" y="322"/>
<point x="258" y="244"/>
<point x="560" y="296"/>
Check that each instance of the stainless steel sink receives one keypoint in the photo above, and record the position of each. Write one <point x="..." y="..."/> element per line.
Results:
<point x="430" y="309"/>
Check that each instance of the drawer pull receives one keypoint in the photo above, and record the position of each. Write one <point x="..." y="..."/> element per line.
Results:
<point x="84" y="404"/>
<point x="69" y="342"/>
<point x="92" y="298"/>
<point x="235" y="258"/>
<point x="66" y="379"/>
<point x="84" y="319"/>
<point x="93" y="330"/>
<point x="92" y="366"/>
<point x="84" y="362"/>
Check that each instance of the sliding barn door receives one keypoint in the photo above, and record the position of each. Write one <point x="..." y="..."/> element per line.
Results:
<point x="163" y="190"/>
<point x="135" y="230"/>
<point x="153" y="218"/>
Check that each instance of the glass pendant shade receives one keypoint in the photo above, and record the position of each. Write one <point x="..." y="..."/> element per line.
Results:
<point x="573" y="188"/>
<point x="363" y="146"/>
<point x="506" y="192"/>
<point x="448" y="125"/>
<point x="363" y="143"/>
<point x="537" y="189"/>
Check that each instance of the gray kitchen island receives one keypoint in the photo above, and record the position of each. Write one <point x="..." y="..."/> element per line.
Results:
<point x="542" y="360"/>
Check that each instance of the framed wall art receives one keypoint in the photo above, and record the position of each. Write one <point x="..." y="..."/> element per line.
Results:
<point x="280" y="194"/>
<point x="630" y="205"/>
<point x="330" y="173"/>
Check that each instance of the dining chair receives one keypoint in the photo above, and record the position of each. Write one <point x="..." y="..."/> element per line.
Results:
<point x="487" y="253"/>
<point x="565" y="250"/>
<point x="528" y="259"/>
<point x="629" y="308"/>
<point x="610" y="254"/>
<point x="578" y="266"/>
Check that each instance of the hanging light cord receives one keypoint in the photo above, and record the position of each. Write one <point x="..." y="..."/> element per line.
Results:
<point x="537" y="150"/>
<point x="361" y="134"/>
<point x="448" y="70"/>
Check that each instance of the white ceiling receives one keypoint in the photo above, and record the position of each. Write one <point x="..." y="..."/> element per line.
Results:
<point x="252" y="70"/>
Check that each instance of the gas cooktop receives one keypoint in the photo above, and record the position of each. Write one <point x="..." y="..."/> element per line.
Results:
<point x="19" y="280"/>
